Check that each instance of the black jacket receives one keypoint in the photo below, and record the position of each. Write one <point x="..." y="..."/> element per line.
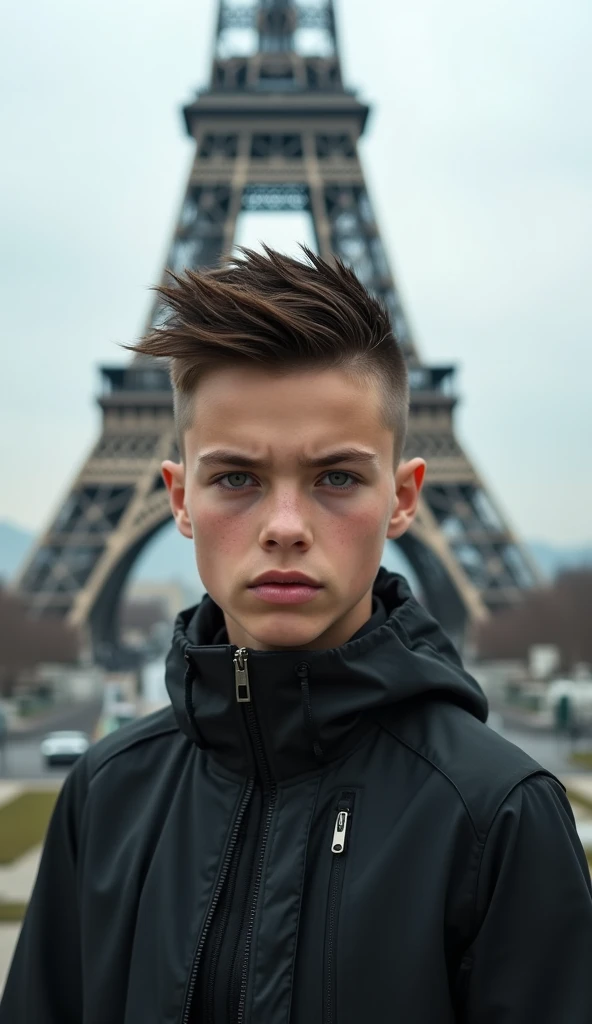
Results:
<point x="329" y="837"/>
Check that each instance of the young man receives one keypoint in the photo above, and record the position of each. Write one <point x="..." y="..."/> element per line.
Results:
<point x="321" y="829"/>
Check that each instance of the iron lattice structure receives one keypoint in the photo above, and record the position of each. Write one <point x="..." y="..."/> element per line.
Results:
<point x="275" y="130"/>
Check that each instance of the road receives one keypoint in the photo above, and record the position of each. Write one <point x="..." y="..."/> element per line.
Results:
<point x="22" y="758"/>
<point x="541" y="743"/>
<point x="550" y="751"/>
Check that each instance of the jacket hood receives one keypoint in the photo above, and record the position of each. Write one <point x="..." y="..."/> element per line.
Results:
<point x="312" y="705"/>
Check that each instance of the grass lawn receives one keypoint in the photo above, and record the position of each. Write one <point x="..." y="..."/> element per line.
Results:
<point x="10" y="913"/>
<point x="581" y="758"/>
<point x="581" y="799"/>
<point x="24" y="821"/>
<point x="584" y="803"/>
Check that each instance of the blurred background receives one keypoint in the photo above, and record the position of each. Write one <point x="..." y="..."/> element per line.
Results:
<point x="477" y="164"/>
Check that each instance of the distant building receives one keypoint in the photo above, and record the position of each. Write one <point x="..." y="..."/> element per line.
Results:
<point x="172" y="595"/>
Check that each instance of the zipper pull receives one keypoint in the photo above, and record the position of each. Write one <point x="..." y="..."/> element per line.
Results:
<point x="340" y="832"/>
<point x="241" y="676"/>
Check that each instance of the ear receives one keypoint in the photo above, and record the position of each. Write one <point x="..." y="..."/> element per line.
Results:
<point x="173" y="474"/>
<point x="408" y="480"/>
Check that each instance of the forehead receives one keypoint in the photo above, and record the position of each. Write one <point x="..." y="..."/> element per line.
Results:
<point x="252" y="408"/>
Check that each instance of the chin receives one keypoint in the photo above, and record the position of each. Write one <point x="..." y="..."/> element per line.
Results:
<point x="284" y="634"/>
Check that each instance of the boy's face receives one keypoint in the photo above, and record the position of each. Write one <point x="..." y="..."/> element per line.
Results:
<point x="286" y="516"/>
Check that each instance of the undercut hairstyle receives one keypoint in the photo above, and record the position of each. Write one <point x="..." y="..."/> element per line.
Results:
<point x="282" y="315"/>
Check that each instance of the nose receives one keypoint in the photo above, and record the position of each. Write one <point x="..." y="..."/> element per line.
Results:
<point x="285" y="521"/>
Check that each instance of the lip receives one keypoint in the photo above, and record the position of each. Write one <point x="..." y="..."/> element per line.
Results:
<point x="275" y="576"/>
<point x="285" y="593"/>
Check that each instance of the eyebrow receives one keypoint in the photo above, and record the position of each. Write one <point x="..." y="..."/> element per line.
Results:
<point x="224" y="456"/>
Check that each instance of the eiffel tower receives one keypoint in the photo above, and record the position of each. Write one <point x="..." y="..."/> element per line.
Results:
<point x="276" y="130"/>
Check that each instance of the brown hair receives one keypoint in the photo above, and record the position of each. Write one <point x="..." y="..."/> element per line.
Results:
<point x="285" y="315"/>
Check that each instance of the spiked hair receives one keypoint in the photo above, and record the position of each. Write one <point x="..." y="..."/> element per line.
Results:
<point x="283" y="315"/>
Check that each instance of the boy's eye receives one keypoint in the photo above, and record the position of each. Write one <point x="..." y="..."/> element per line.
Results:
<point x="236" y="481"/>
<point x="232" y="478"/>
<point x="339" y="485"/>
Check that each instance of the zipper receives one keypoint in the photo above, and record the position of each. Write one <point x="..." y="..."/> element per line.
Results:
<point x="241" y="676"/>
<point x="219" y="931"/>
<point x="269" y="789"/>
<point x="248" y="792"/>
<point x="339" y="843"/>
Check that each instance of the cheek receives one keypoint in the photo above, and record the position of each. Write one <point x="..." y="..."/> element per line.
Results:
<point x="360" y="531"/>
<point x="215" y="531"/>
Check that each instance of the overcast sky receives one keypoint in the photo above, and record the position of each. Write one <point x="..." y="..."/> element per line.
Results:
<point x="479" y="161"/>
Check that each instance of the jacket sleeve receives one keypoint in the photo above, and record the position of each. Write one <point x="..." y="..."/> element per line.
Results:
<point x="44" y="983"/>
<point x="531" y="959"/>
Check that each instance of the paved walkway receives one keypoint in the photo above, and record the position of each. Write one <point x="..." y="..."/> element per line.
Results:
<point x="580" y="783"/>
<point x="16" y="883"/>
<point x="59" y="717"/>
<point x="17" y="879"/>
<point x="8" y="791"/>
<point x="8" y="936"/>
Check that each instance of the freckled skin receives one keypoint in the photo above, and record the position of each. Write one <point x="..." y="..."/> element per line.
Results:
<point x="286" y="516"/>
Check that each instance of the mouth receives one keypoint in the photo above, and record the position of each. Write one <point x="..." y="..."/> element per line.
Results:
<point x="295" y="591"/>
<point x="285" y="579"/>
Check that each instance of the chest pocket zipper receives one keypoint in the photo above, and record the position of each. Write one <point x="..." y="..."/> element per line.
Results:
<point x="340" y="838"/>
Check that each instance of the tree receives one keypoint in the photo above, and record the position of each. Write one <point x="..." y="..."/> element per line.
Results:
<point x="143" y="615"/>
<point x="25" y="640"/>
<point x="558" y="614"/>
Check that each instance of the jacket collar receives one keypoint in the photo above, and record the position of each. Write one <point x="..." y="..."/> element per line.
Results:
<point x="310" y="707"/>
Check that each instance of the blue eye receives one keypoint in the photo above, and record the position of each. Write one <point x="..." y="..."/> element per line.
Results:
<point x="335" y="487"/>
<point x="341" y="472"/>
<point x="228" y="476"/>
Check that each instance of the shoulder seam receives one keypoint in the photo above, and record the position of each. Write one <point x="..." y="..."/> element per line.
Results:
<point x="523" y="778"/>
<point x="440" y="771"/>
<point x="480" y="837"/>
<point x="535" y="771"/>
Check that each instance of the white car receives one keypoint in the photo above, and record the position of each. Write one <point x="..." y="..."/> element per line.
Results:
<point x="64" y="747"/>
